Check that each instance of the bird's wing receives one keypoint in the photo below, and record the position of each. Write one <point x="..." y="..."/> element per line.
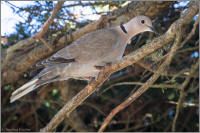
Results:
<point x="90" y="47"/>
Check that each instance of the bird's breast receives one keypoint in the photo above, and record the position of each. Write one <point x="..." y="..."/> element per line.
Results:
<point x="117" y="53"/>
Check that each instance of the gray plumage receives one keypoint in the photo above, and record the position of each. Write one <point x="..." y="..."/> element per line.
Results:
<point x="79" y="59"/>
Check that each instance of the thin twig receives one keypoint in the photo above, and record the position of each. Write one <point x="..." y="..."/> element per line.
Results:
<point x="50" y="19"/>
<point x="146" y="66"/>
<point x="187" y="38"/>
<point x="185" y="83"/>
<point x="87" y="4"/>
<point x="46" y="25"/>
<point x="45" y="43"/>
<point x="188" y="49"/>
<point x="140" y="84"/>
<point x="12" y="5"/>
<point x="185" y="104"/>
<point x="192" y="32"/>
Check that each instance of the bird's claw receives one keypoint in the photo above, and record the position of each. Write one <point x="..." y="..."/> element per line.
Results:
<point x="108" y="64"/>
<point x="99" y="67"/>
<point x="90" y="79"/>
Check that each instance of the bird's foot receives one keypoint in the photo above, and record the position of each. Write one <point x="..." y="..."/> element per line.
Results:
<point x="89" y="79"/>
<point x="108" y="64"/>
<point x="99" y="67"/>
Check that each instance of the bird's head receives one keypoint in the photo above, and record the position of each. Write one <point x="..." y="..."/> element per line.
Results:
<point x="138" y="25"/>
<point x="144" y="23"/>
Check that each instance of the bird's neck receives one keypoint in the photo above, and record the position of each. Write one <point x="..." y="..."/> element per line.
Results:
<point x="131" y="29"/>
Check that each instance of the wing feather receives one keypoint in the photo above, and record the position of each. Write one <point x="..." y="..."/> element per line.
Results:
<point x="87" y="48"/>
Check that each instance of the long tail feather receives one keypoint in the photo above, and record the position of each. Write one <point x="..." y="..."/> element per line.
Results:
<point x="28" y="87"/>
<point x="21" y="94"/>
<point x="25" y="86"/>
<point x="46" y="76"/>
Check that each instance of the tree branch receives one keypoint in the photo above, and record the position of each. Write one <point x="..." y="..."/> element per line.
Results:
<point x="46" y="25"/>
<point x="180" y="100"/>
<point x="140" y="84"/>
<point x="126" y="61"/>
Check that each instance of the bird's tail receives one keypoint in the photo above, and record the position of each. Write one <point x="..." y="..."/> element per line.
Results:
<point x="47" y="75"/>
<point x="30" y="86"/>
<point x="26" y="88"/>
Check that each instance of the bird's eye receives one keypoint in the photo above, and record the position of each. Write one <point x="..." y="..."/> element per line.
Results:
<point x="142" y="21"/>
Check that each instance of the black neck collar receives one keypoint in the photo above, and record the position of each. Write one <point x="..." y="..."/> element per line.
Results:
<point x="123" y="28"/>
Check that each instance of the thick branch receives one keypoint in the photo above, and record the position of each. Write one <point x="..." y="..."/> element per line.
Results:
<point x="127" y="60"/>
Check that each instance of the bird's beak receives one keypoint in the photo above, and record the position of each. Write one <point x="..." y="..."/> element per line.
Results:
<point x="152" y="29"/>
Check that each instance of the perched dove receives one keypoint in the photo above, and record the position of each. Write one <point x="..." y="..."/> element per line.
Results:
<point x="85" y="56"/>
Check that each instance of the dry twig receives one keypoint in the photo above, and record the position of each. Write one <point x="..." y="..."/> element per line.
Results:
<point x="140" y="84"/>
<point x="50" y="19"/>
<point x="192" y="32"/>
<point x="46" y="25"/>
<point x="180" y="100"/>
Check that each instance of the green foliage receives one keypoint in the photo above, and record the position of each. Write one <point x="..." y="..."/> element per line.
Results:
<point x="171" y="96"/>
<point x="7" y="87"/>
<point x="54" y="92"/>
<point x="47" y="104"/>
